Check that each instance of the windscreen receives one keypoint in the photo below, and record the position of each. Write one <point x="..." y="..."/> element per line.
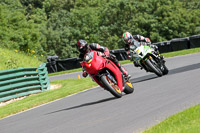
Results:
<point x="88" y="57"/>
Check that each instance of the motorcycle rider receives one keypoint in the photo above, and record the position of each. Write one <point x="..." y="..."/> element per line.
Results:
<point x="131" y="42"/>
<point x="84" y="48"/>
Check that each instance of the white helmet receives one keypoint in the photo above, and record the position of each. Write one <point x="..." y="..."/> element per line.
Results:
<point x="127" y="37"/>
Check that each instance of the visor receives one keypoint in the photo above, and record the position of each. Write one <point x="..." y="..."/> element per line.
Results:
<point x="127" y="41"/>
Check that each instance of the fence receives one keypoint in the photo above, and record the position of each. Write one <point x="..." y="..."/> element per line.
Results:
<point x="23" y="81"/>
<point x="56" y="65"/>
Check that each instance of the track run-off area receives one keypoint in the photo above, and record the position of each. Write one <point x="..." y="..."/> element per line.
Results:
<point x="97" y="111"/>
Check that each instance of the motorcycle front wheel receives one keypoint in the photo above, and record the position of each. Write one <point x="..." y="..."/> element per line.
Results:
<point x="164" y="69"/>
<point x="110" y="86"/>
<point x="151" y="64"/>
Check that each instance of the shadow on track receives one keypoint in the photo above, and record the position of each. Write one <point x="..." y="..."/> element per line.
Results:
<point x="85" y="104"/>
<point x="184" y="69"/>
<point x="171" y="72"/>
<point x="136" y="80"/>
<point x="144" y="78"/>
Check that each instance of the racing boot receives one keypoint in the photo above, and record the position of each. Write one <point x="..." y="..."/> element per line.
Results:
<point x="125" y="73"/>
<point x="136" y="63"/>
<point x="161" y="57"/>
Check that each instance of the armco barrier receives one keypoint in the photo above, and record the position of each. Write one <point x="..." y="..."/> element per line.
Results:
<point x="51" y="64"/>
<point x="23" y="81"/>
<point x="55" y="65"/>
<point x="73" y="63"/>
<point x="68" y="64"/>
<point x="180" y="44"/>
<point x="164" y="47"/>
<point x="194" y="41"/>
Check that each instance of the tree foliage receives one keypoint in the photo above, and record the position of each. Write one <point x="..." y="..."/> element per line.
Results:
<point x="52" y="27"/>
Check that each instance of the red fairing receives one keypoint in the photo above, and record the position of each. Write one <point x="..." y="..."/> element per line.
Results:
<point x="97" y="63"/>
<point x="116" y="72"/>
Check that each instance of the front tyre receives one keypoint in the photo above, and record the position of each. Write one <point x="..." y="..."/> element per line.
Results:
<point x="152" y="65"/>
<point x="164" y="69"/>
<point x="110" y="86"/>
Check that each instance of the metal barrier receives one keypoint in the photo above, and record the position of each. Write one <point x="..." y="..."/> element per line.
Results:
<point x="56" y="65"/>
<point x="23" y="81"/>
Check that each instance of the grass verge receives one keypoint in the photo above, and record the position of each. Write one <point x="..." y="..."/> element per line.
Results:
<point x="187" y="121"/>
<point x="65" y="72"/>
<point x="170" y="54"/>
<point x="181" y="52"/>
<point x="69" y="86"/>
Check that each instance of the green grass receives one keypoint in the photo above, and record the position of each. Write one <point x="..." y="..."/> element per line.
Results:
<point x="181" y="52"/>
<point x="187" y="121"/>
<point x="69" y="86"/>
<point x="64" y="72"/>
<point x="11" y="59"/>
<point x="170" y="54"/>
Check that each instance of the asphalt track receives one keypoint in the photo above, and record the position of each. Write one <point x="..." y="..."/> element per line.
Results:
<point x="97" y="111"/>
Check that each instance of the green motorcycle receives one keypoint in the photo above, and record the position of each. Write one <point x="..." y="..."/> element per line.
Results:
<point x="147" y="58"/>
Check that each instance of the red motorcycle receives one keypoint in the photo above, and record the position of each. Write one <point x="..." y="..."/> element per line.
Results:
<point x="106" y="74"/>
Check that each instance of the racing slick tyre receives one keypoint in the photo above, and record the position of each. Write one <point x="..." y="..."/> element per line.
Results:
<point x="128" y="88"/>
<point x="110" y="86"/>
<point x="152" y="64"/>
<point x="164" y="69"/>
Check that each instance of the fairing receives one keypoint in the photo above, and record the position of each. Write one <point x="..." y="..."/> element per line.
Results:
<point x="97" y="63"/>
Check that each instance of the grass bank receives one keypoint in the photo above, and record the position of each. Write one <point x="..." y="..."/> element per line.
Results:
<point x="13" y="59"/>
<point x="68" y="87"/>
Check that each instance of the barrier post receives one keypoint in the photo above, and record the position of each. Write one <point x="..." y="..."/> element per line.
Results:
<point x="43" y="77"/>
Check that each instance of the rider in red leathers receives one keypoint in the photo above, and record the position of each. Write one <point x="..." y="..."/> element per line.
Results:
<point x="85" y="48"/>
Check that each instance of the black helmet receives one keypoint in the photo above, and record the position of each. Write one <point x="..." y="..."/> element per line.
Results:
<point x="82" y="46"/>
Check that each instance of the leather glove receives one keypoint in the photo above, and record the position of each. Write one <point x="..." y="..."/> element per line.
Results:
<point x="84" y="74"/>
<point x="130" y="55"/>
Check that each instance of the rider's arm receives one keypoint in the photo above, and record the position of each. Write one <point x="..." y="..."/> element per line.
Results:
<point x="97" y="47"/>
<point x="127" y="49"/>
<point x="139" y="38"/>
<point x="81" y="56"/>
<point x="84" y="74"/>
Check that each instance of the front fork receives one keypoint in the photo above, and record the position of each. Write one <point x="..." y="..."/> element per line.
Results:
<point x="113" y="79"/>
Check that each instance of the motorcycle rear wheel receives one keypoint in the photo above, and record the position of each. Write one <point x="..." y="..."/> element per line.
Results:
<point x="110" y="86"/>
<point x="128" y="88"/>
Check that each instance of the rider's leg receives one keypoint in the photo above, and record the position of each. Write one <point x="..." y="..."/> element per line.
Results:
<point x="136" y="63"/>
<point x="122" y="69"/>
